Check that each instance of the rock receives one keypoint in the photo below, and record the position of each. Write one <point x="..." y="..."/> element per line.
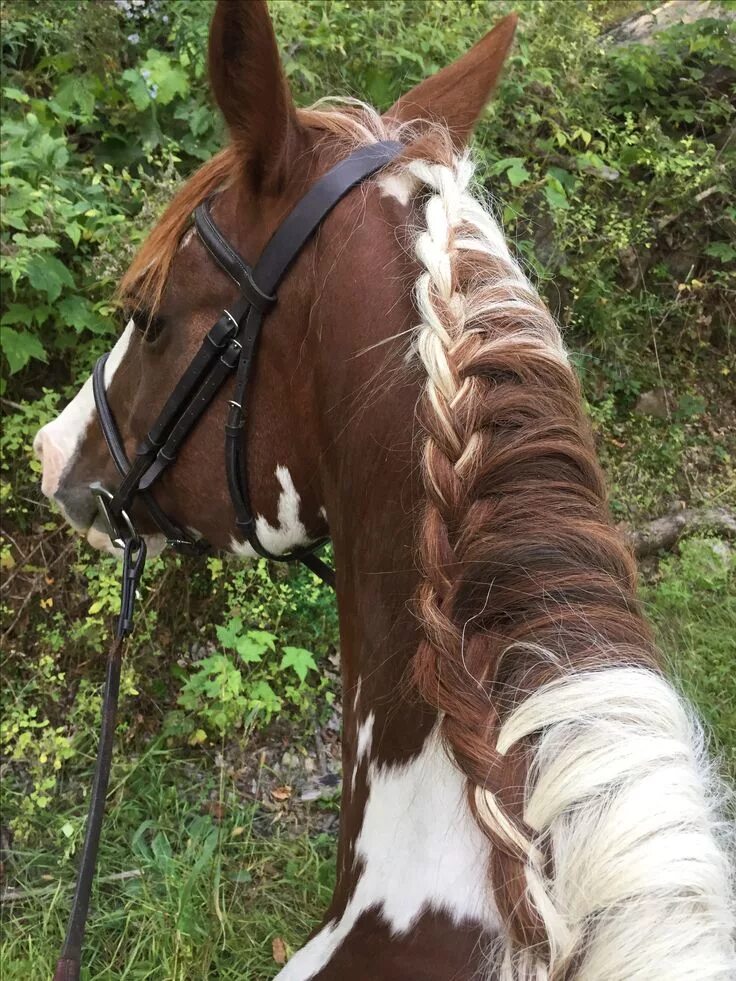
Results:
<point x="641" y="28"/>
<point x="653" y="403"/>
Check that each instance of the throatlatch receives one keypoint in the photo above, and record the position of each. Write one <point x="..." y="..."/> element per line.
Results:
<point x="230" y="345"/>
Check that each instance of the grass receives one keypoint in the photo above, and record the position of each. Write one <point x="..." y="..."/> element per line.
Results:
<point x="692" y="604"/>
<point x="218" y="881"/>
<point x="214" y="882"/>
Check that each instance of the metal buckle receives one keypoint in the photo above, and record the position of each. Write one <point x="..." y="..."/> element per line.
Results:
<point x="119" y="533"/>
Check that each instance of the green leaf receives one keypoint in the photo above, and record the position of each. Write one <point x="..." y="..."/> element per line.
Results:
<point x="514" y="169"/>
<point x="555" y="193"/>
<point x="300" y="660"/>
<point x="250" y="649"/>
<point x="80" y="314"/>
<point x="77" y="90"/>
<point x="721" y="250"/>
<point x="19" y="348"/>
<point x="17" y="313"/>
<point x="35" y="241"/>
<point x="15" y="94"/>
<point x="137" y="89"/>
<point x="262" y="696"/>
<point x="200" y="120"/>
<point x="229" y="633"/>
<point x="48" y="274"/>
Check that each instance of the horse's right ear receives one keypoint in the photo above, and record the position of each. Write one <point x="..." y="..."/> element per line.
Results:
<point x="250" y="87"/>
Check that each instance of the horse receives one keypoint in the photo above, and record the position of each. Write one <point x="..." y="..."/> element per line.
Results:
<point x="526" y="796"/>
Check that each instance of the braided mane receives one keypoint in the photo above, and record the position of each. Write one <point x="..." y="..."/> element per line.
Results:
<point x="585" y="769"/>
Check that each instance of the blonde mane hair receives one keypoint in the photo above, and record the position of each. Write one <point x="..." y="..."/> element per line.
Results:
<point x="585" y="769"/>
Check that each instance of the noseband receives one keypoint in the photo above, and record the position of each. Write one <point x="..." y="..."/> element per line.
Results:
<point x="229" y="347"/>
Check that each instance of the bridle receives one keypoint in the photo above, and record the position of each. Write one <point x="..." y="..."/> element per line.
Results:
<point x="229" y="346"/>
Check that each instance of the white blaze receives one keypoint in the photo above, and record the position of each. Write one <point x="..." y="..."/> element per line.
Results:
<point x="57" y="443"/>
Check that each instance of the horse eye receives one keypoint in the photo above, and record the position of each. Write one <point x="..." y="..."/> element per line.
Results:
<point x="148" y="324"/>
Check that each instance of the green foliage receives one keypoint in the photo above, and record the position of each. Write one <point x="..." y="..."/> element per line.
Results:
<point x="228" y="691"/>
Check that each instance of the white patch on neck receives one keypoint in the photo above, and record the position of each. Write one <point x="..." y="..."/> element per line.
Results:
<point x="365" y="738"/>
<point x="290" y="532"/>
<point x="59" y="440"/>
<point x="421" y="850"/>
<point x="364" y="745"/>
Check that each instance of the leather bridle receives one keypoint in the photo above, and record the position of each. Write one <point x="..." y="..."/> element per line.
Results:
<point x="228" y="347"/>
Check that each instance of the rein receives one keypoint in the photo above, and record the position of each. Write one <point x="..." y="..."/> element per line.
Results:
<point x="229" y="346"/>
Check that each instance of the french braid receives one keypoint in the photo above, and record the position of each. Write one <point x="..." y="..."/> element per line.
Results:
<point x="536" y="654"/>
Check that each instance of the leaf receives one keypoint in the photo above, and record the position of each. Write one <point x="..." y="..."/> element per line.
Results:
<point x="74" y="231"/>
<point x="262" y="696"/>
<point x="19" y="348"/>
<point x="67" y="829"/>
<point x="137" y="89"/>
<point x="721" y="250"/>
<point x="278" y="948"/>
<point x="281" y="793"/>
<point x="17" y="313"/>
<point x="514" y="169"/>
<point x="48" y="274"/>
<point x="200" y="120"/>
<point x="300" y="660"/>
<point x="555" y="193"/>
<point x="229" y="632"/>
<point x="77" y="90"/>
<point x="161" y="849"/>
<point x="250" y="650"/>
<point x="35" y="241"/>
<point x="79" y="313"/>
<point x="15" y="94"/>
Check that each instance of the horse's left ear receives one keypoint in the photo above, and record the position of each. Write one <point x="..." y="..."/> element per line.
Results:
<point x="251" y="89"/>
<point x="457" y="95"/>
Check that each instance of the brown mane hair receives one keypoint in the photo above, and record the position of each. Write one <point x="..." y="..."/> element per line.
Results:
<point x="143" y="284"/>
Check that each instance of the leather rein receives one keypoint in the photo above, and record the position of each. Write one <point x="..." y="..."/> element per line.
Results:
<point x="228" y="347"/>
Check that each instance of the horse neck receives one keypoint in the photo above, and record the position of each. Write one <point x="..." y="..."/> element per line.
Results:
<point x="395" y="771"/>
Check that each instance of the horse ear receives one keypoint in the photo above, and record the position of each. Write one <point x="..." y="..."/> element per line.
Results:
<point x="250" y="87"/>
<point x="457" y="95"/>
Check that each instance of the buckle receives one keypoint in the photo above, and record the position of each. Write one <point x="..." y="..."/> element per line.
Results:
<point x="120" y="528"/>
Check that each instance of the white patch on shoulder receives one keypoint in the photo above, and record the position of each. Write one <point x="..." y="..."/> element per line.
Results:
<point x="421" y="850"/>
<point x="57" y="442"/>
<point x="400" y="186"/>
<point x="290" y="532"/>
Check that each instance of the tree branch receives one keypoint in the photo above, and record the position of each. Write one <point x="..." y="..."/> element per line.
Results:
<point x="664" y="533"/>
